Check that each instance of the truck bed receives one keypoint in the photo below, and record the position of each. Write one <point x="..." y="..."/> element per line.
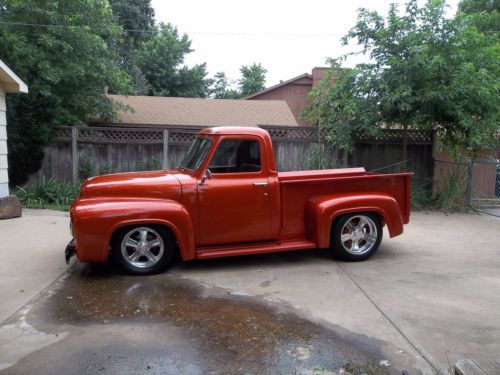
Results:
<point x="300" y="187"/>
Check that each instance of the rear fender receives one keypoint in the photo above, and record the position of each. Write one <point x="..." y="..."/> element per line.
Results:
<point x="95" y="220"/>
<point x="321" y="212"/>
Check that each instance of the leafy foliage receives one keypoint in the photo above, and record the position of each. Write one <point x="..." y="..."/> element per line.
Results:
<point x="221" y="88"/>
<point x="484" y="14"/>
<point x="160" y="59"/>
<point x="426" y="71"/>
<point x="450" y="192"/>
<point x="66" y="66"/>
<point x="48" y="193"/>
<point x="322" y="156"/>
<point x="253" y="79"/>
<point x="137" y="20"/>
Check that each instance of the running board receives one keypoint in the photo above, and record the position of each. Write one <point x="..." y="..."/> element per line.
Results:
<point x="267" y="247"/>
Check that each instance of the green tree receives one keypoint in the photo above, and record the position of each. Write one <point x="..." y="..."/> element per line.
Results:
<point x="426" y="71"/>
<point x="137" y="20"/>
<point x="253" y="79"/>
<point x="485" y="14"/>
<point x="160" y="59"/>
<point x="61" y="50"/>
<point x="221" y="88"/>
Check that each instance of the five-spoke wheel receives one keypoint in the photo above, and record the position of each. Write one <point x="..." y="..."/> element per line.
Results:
<point x="143" y="249"/>
<point x="356" y="236"/>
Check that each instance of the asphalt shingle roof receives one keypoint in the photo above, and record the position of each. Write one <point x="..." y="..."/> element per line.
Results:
<point x="169" y="111"/>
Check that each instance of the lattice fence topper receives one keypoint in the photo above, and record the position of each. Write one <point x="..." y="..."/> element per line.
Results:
<point x="297" y="134"/>
<point x="182" y="136"/>
<point x="125" y="135"/>
<point x="397" y="135"/>
<point x="113" y="135"/>
<point x="187" y="135"/>
<point x="62" y="134"/>
<point x="310" y="134"/>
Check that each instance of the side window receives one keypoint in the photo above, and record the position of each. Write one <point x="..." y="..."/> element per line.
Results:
<point x="234" y="156"/>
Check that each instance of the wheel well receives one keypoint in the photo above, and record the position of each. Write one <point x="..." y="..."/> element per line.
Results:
<point x="171" y="233"/>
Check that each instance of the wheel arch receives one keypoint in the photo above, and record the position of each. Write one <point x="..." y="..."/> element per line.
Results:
<point x="183" y="246"/>
<point x="323" y="212"/>
<point x="95" y="220"/>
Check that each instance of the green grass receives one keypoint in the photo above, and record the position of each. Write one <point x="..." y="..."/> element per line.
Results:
<point x="48" y="193"/>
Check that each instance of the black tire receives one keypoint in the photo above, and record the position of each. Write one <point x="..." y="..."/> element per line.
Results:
<point x="150" y="258"/>
<point x="367" y="237"/>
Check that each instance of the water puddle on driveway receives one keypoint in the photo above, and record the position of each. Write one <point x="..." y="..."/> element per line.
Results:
<point x="164" y="325"/>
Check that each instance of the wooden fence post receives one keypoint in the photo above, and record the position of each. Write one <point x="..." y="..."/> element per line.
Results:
<point x="74" y="155"/>
<point x="468" y="191"/>
<point x="165" y="149"/>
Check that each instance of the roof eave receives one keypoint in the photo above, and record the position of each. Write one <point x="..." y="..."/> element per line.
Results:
<point x="10" y="80"/>
<point x="279" y="85"/>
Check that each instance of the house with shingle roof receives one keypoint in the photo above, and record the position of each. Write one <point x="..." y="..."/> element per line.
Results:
<point x="294" y="91"/>
<point x="158" y="111"/>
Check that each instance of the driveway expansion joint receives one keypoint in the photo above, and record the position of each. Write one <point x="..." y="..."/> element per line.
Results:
<point x="389" y="320"/>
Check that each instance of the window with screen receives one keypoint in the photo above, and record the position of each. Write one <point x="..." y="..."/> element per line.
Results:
<point x="236" y="156"/>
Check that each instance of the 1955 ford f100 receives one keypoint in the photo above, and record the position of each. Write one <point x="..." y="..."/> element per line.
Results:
<point x="227" y="198"/>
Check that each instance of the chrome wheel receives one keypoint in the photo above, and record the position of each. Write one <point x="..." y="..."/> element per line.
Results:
<point x="359" y="235"/>
<point x="142" y="247"/>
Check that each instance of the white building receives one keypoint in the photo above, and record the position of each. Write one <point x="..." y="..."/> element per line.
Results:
<point x="9" y="82"/>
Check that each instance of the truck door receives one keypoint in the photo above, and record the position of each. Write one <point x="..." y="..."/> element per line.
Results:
<point x="234" y="198"/>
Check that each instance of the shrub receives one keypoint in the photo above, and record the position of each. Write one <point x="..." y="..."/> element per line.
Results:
<point x="421" y="193"/>
<point x="321" y="156"/>
<point x="451" y="192"/>
<point x="48" y="193"/>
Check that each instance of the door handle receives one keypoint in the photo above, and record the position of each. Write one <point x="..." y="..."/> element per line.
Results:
<point x="260" y="183"/>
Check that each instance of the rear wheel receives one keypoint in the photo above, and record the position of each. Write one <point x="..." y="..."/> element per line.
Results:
<point x="144" y="249"/>
<point x="356" y="236"/>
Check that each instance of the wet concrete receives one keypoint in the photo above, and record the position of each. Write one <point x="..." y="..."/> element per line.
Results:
<point x="98" y="321"/>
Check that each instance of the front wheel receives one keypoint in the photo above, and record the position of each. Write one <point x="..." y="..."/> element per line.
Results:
<point x="144" y="249"/>
<point x="356" y="236"/>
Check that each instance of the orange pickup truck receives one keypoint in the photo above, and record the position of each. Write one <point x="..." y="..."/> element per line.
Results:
<point x="227" y="198"/>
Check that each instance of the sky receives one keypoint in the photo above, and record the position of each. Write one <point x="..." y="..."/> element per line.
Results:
<point x="289" y="37"/>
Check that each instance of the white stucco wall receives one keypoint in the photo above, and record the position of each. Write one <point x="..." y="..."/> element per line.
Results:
<point x="4" y="178"/>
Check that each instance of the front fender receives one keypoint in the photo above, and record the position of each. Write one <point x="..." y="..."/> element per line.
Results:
<point x="321" y="212"/>
<point x="94" y="221"/>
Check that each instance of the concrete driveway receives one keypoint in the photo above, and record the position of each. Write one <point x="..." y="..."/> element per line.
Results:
<point x="425" y="300"/>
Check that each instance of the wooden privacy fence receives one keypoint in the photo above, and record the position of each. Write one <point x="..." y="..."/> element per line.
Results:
<point x="80" y="152"/>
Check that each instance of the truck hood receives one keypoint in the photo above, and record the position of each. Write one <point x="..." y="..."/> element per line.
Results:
<point x="156" y="184"/>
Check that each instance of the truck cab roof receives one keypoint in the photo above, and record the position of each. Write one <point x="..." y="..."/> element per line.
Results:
<point x="234" y="130"/>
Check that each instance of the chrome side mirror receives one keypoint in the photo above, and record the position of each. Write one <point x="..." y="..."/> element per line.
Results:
<point x="206" y="175"/>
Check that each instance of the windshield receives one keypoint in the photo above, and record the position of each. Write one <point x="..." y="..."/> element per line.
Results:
<point x="196" y="154"/>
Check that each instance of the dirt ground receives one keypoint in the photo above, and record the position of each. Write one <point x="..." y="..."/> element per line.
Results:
<point x="425" y="300"/>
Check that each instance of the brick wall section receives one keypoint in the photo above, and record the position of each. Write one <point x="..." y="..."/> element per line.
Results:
<point x="4" y="178"/>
